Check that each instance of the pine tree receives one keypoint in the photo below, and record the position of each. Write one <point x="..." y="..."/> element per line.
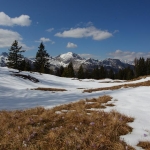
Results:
<point x="96" y="73"/>
<point x="87" y="74"/>
<point x="28" y="66"/>
<point x="41" y="60"/>
<point x="111" y="74"/>
<point x="148" y="65"/>
<point x="140" y="67"/>
<point x="137" y="69"/>
<point x="102" y="73"/>
<point x="60" y="71"/>
<point x="14" y="57"/>
<point x="70" y="70"/>
<point x="130" y="74"/>
<point x="23" y="66"/>
<point x="81" y="73"/>
<point x="65" y="72"/>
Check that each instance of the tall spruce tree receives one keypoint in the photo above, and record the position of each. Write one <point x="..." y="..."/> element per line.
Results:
<point x="28" y="66"/>
<point x="102" y="72"/>
<point x="81" y="73"/>
<point x="96" y="73"/>
<point x="68" y="71"/>
<point x="60" y="71"/>
<point x="14" y="56"/>
<point x="111" y="74"/>
<point x="148" y="65"/>
<point x="42" y="60"/>
<point x="140" y="67"/>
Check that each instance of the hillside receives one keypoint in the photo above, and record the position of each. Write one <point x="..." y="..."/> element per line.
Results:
<point x="16" y="93"/>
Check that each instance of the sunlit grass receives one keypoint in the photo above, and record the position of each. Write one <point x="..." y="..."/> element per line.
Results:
<point x="145" y="145"/>
<point x="65" y="127"/>
<point x="146" y="83"/>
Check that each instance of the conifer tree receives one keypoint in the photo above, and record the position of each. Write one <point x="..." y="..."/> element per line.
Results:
<point x="111" y="74"/>
<point x="23" y="66"/>
<point x="81" y="73"/>
<point x="68" y="71"/>
<point x="87" y="74"/>
<point x="60" y="71"/>
<point x="42" y="60"/>
<point x="140" y="67"/>
<point x="95" y="73"/>
<point x="102" y="73"/>
<point x="148" y="65"/>
<point x="65" y="72"/>
<point x="14" y="56"/>
<point x="28" y="66"/>
<point x="130" y="74"/>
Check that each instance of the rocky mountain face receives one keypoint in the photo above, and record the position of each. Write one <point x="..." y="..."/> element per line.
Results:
<point x="65" y="59"/>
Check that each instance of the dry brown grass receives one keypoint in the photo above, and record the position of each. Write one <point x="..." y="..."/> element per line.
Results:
<point x="114" y="81"/>
<point x="49" y="89"/>
<point x="71" y="129"/>
<point x="110" y="105"/>
<point x="138" y="78"/>
<point x="146" y="83"/>
<point x="144" y="145"/>
<point x="97" y="102"/>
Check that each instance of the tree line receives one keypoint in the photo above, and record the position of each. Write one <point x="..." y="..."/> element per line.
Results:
<point x="41" y="64"/>
<point x="17" y="61"/>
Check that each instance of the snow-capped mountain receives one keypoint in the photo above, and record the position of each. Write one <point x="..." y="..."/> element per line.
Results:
<point x="65" y="59"/>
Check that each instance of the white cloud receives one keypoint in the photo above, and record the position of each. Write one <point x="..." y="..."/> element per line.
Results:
<point x="50" y="29"/>
<point x="23" y="20"/>
<point x="43" y="39"/>
<point x="128" y="55"/>
<point x="89" y="23"/>
<point x="116" y="31"/>
<point x="89" y="56"/>
<point x="71" y="45"/>
<point x="7" y="37"/>
<point x="93" y="32"/>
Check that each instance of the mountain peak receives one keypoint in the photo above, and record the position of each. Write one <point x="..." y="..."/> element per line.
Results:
<point x="67" y="57"/>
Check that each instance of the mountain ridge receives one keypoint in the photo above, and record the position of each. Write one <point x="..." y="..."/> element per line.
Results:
<point x="77" y="60"/>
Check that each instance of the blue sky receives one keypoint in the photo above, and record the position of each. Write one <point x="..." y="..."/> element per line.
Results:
<point x="92" y="28"/>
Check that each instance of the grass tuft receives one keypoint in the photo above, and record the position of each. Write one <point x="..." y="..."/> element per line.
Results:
<point x="145" y="145"/>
